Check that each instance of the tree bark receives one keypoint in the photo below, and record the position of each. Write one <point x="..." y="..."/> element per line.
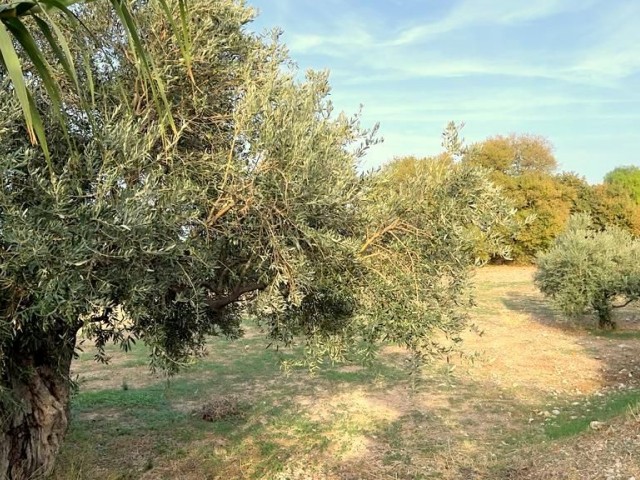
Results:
<point x="604" y="310"/>
<point x="34" y="424"/>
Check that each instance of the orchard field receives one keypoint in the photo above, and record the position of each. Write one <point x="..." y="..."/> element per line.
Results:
<point x="534" y="397"/>
<point x="172" y="184"/>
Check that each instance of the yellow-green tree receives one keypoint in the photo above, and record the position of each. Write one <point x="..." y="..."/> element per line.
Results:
<point x="523" y="165"/>
<point x="611" y="205"/>
<point x="513" y="155"/>
<point x="626" y="178"/>
<point x="543" y="206"/>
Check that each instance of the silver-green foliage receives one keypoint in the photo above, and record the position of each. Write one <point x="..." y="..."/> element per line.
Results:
<point x="254" y="203"/>
<point x="425" y="221"/>
<point x="590" y="271"/>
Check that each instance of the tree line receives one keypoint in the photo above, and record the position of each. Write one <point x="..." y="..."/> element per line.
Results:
<point x="525" y="168"/>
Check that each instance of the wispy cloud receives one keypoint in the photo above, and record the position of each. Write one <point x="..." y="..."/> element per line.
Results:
<point x="342" y="42"/>
<point x="468" y="13"/>
<point x="381" y="56"/>
<point x="614" y="49"/>
<point x="567" y="70"/>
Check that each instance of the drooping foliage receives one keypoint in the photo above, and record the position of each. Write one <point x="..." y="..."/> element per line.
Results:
<point x="588" y="270"/>
<point x="131" y="231"/>
<point x="426" y="221"/>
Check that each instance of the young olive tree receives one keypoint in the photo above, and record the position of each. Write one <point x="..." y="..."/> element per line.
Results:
<point x="128" y="230"/>
<point x="591" y="271"/>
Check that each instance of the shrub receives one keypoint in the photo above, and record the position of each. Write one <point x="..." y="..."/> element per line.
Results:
<point x="591" y="271"/>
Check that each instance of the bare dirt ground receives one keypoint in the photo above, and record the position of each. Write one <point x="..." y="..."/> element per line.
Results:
<point x="483" y="416"/>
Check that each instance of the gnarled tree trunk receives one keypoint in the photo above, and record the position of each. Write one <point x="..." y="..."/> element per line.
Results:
<point x="33" y="424"/>
<point x="604" y="310"/>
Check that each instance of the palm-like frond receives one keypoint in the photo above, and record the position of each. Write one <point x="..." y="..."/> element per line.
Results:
<point x="14" y="31"/>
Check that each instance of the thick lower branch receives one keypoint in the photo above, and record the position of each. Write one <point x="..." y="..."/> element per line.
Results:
<point x="219" y="302"/>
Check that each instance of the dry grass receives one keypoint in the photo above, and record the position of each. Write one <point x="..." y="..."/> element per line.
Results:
<point x="484" y="418"/>
<point x="611" y="453"/>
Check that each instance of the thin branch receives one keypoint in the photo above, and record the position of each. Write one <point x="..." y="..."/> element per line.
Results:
<point x="624" y="304"/>
<point x="379" y="234"/>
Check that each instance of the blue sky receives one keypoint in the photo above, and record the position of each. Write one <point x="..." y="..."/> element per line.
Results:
<point x="565" y="69"/>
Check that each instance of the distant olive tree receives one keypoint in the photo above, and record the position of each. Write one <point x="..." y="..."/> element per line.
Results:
<point x="591" y="271"/>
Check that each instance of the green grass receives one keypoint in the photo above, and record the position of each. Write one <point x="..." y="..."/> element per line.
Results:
<point x="153" y="416"/>
<point x="118" y="416"/>
<point x="616" y="334"/>
<point x="126" y="424"/>
<point x="601" y="409"/>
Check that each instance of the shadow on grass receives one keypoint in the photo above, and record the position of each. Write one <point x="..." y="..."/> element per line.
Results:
<point x="145" y="433"/>
<point x="119" y="433"/>
<point x="155" y="432"/>
<point x="540" y="310"/>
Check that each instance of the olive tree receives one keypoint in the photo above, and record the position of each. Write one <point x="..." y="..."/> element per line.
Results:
<point x="127" y="230"/>
<point x="591" y="271"/>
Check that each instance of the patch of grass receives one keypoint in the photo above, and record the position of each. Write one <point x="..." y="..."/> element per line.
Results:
<point x="615" y="334"/>
<point x="601" y="409"/>
<point x="381" y="373"/>
<point x="349" y="421"/>
<point x="131" y="398"/>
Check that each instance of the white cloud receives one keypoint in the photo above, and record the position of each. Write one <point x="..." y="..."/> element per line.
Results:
<point x="386" y="68"/>
<point x="367" y="54"/>
<point x="339" y="43"/>
<point x="468" y="13"/>
<point x="568" y="69"/>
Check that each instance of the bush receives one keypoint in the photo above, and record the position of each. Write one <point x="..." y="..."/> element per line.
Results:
<point x="591" y="271"/>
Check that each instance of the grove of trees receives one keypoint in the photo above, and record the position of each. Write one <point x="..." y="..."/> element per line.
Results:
<point x="242" y="197"/>
<point x="184" y="178"/>
<point x="525" y="168"/>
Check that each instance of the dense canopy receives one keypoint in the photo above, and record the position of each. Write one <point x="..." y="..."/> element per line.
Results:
<point x="244" y="199"/>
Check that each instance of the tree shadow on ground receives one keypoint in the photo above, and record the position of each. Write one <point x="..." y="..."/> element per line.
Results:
<point x="617" y="350"/>
<point x="540" y="310"/>
<point x="340" y="424"/>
